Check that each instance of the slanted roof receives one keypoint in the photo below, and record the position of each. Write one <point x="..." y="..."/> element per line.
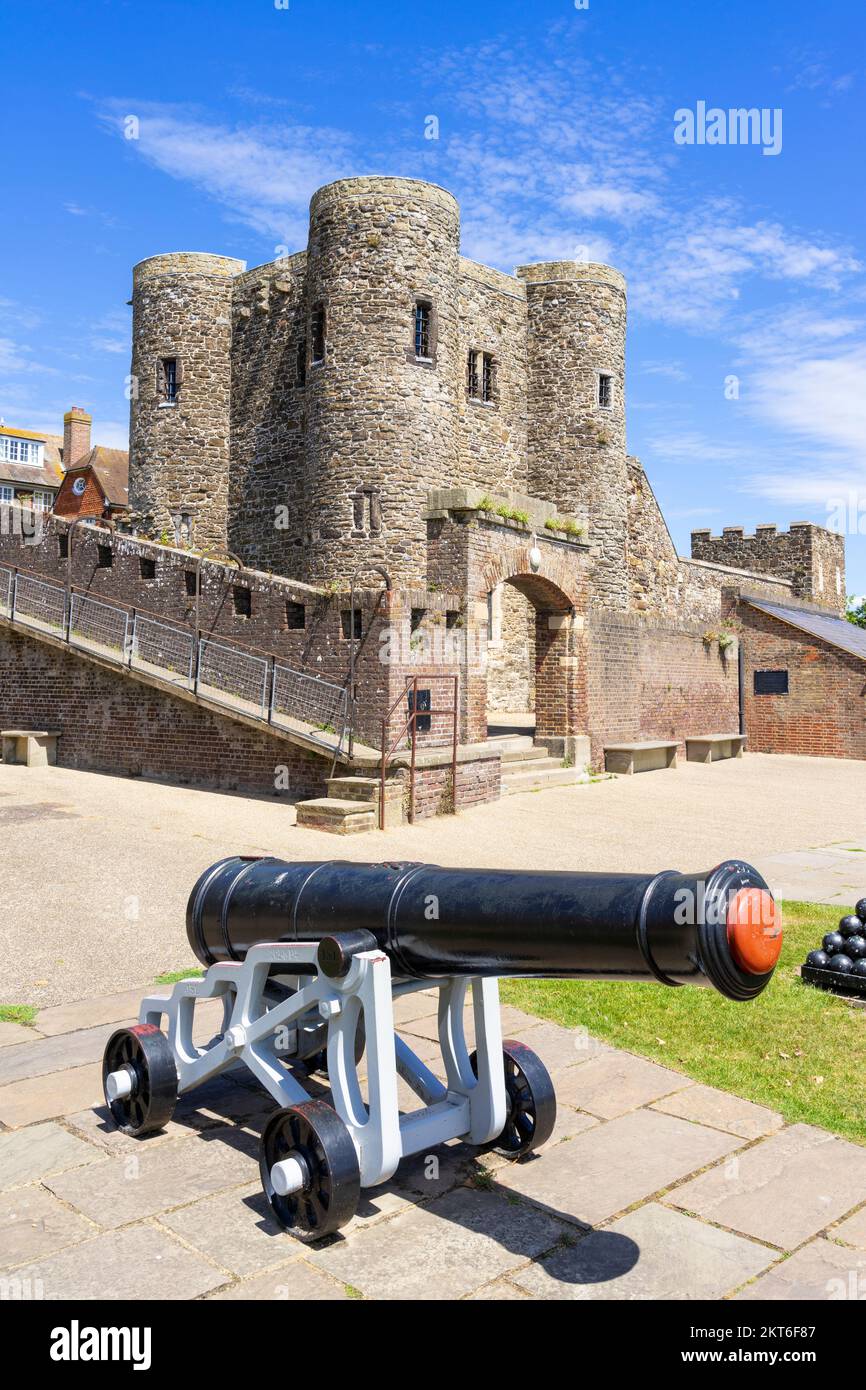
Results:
<point x="836" y="632"/>
<point x="49" y="475"/>
<point x="111" y="467"/>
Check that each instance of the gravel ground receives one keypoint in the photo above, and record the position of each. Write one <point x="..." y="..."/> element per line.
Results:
<point x="97" y="869"/>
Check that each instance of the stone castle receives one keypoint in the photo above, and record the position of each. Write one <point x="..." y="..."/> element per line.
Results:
<point x="379" y="406"/>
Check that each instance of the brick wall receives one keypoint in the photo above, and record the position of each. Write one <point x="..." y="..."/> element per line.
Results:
<point x="90" y="503"/>
<point x="824" y="712"/>
<point x="110" y="722"/>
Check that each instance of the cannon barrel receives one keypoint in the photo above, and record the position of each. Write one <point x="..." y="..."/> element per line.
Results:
<point x="721" y="928"/>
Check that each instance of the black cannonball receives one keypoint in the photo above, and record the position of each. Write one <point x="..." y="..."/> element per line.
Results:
<point x="850" y="926"/>
<point x="819" y="959"/>
<point x="833" y="943"/>
<point x="860" y="909"/>
<point x="855" y="947"/>
<point x="841" y="964"/>
<point x="859" y="969"/>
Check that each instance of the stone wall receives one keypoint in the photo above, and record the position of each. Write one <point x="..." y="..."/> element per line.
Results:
<point x="810" y="557"/>
<point x="491" y="439"/>
<point x="511" y="653"/>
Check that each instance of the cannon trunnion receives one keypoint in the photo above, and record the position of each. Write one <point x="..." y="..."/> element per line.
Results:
<point x="312" y="962"/>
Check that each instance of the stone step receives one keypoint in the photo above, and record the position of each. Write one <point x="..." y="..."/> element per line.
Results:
<point x="543" y="763"/>
<point x="338" y="815"/>
<point x="511" y="743"/>
<point x="539" y="781"/>
<point x="530" y="750"/>
<point x="368" y="789"/>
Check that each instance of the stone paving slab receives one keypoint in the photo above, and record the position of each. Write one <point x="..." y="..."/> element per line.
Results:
<point x="499" y="1292"/>
<point x="137" y="1264"/>
<point x="129" y="1188"/>
<point x="513" y="1021"/>
<point x="612" y="1083"/>
<point x="852" y="1231"/>
<point x="721" y="1110"/>
<point x="820" y="1271"/>
<point x="418" y="1005"/>
<point x="47" y="1097"/>
<point x="88" y="1013"/>
<point x="12" y="1033"/>
<point x="784" y="1190"/>
<point x="295" y="1283"/>
<point x="652" y="1253"/>
<point x="28" y="1155"/>
<point x="34" y="1224"/>
<point x="235" y="1230"/>
<point x="560" y="1048"/>
<point x="602" y="1172"/>
<point x="444" y="1250"/>
<point x="45" y="1055"/>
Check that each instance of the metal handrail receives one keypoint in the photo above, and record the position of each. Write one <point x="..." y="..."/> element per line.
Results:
<point x="412" y="723"/>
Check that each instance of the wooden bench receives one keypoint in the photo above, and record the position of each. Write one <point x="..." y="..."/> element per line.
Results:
<point x="33" y="747"/>
<point x="639" y="757"/>
<point x="709" y="748"/>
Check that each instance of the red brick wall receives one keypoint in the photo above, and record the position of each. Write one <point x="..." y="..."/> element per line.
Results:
<point x="90" y="503"/>
<point x="824" y="712"/>
<point x="112" y="723"/>
<point x="477" y="782"/>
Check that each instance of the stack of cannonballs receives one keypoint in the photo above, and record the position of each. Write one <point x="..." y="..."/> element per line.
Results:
<point x="841" y="961"/>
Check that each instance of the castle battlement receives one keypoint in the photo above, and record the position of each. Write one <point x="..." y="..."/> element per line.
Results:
<point x="810" y="557"/>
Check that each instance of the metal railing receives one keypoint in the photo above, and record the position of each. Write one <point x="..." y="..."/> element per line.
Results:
<point x="409" y="730"/>
<point x="253" y="683"/>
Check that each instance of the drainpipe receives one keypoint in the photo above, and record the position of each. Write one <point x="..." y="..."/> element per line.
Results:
<point x="741" y="686"/>
<point x="380" y="569"/>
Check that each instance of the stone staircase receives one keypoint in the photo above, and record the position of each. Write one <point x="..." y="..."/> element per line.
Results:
<point x="352" y="806"/>
<point x="527" y="766"/>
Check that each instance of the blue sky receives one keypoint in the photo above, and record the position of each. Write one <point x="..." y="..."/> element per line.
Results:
<point x="556" y="132"/>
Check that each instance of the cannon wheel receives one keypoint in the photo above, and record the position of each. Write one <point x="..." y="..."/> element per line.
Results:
<point x="531" y="1101"/>
<point x="318" y="1061"/>
<point x="145" y="1052"/>
<point x="314" y="1134"/>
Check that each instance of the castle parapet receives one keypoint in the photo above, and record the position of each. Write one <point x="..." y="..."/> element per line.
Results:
<point x="810" y="557"/>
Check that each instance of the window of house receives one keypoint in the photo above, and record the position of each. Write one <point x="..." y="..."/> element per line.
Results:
<point x="317" y="326"/>
<point x="301" y="365"/>
<point x="771" y="682"/>
<point x="191" y="581"/>
<point x="182" y="523"/>
<point x="42" y="501"/>
<point x="346" y="623"/>
<point x="486" y="377"/>
<point x="416" y="618"/>
<point x="148" y="568"/>
<point x="168" y="379"/>
<point x="296" y="616"/>
<point x="605" y="391"/>
<point x="243" y="601"/>
<point x="7" y="495"/>
<point x="63" y="545"/>
<point x="104" y="557"/>
<point x="423" y="340"/>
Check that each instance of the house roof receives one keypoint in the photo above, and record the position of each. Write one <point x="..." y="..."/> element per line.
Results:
<point x="111" y="468"/>
<point x="836" y="632"/>
<point x="49" y="475"/>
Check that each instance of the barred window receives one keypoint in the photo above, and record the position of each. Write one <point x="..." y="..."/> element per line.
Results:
<point x="605" y="391"/>
<point x="423" y="310"/>
<point x="487" y="377"/>
<point x="472" y="374"/>
<point x="168" y="379"/>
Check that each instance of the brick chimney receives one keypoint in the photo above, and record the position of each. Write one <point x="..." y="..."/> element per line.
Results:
<point x="76" y="435"/>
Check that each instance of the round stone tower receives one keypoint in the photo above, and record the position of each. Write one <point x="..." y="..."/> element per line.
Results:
<point x="180" y="396"/>
<point x="382" y="371"/>
<point x="576" y="397"/>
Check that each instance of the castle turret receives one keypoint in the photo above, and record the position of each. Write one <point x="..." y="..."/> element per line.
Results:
<point x="576" y="403"/>
<point x="180" y="396"/>
<point x="382" y="373"/>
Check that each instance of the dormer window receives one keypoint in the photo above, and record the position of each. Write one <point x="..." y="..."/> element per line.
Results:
<point x="605" y="391"/>
<point x="20" y="450"/>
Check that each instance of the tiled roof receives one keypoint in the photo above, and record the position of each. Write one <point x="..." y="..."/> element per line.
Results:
<point x="837" y="632"/>
<point x="111" y="467"/>
<point x="50" y="475"/>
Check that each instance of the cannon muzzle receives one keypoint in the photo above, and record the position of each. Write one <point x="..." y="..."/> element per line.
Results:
<point x="721" y="928"/>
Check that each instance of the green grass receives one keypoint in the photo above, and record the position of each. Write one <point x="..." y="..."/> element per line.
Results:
<point x="171" y="977"/>
<point x="17" y="1013"/>
<point x="772" y="1051"/>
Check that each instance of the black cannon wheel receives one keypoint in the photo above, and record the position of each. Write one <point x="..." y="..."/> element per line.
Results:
<point x="314" y="1134"/>
<point x="318" y="1061"/>
<point x="531" y="1100"/>
<point x="144" y="1050"/>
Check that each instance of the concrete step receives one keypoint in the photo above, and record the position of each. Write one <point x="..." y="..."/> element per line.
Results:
<point x="511" y="743"/>
<point x="517" y="755"/>
<point x="558" y="776"/>
<point x="354" y="788"/>
<point x="542" y="763"/>
<point x="338" y="815"/>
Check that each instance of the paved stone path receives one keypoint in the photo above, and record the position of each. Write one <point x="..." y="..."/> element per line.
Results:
<point x="652" y="1186"/>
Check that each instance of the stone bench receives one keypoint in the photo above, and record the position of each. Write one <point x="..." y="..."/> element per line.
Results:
<point x="709" y="748"/>
<point x="33" y="747"/>
<point x="640" y="757"/>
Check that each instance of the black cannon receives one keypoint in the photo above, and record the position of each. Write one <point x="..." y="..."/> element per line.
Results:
<point x="311" y="961"/>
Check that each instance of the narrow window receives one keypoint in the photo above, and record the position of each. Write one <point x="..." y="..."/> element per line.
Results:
<point x="301" y="368"/>
<point x="605" y="391"/>
<point x="191" y="581"/>
<point x="243" y="601"/>
<point x="417" y="618"/>
<point x="63" y="545"/>
<point x="367" y="509"/>
<point x="346" y="622"/>
<point x="296" y="616"/>
<point x="168" y="382"/>
<point x="487" y="377"/>
<point x="318" y="334"/>
<point x="104" y="557"/>
<point x="182" y="522"/>
<point x="452" y="618"/>
<point x="148" y="567"/>
<point x="472" y="375"/>
<point x="423" y="309"/>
